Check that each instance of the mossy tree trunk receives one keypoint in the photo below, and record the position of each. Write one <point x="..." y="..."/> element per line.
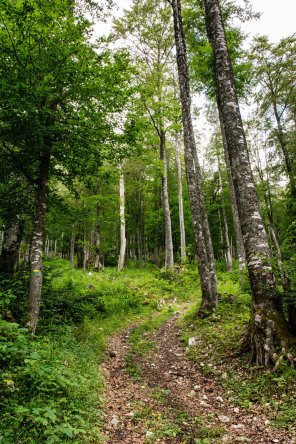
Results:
<point x="268" y="324"/>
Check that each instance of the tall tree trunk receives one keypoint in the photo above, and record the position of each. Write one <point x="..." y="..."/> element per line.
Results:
<point x="84" y="248"/>
<point x="11" y="246"/>
<point x="206" y="264"/>
<point x="72" y="248"/>
<point x="1" y="240"/>
<point x="169" y="252"/>
<point x="180" y="199"/>
<point x="122" y="222"/>
<point x="281" y="139"/>
<point x="37" y="244"/>
<point x="241" y="254"/>
<point x="267" y="320"/>
<point x="228" y="249"/>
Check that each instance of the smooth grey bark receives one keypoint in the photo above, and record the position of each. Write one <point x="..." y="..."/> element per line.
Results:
<point x="205" y="221"/>
<point x="240" y="249"/>
<point x="267" y="320"/>
<point x="169" y="253"/>
<point x="11" y="246"/>
<point x="84" y="248"/>
<point x="37" y="244"/>
<point x="283" y="145"/>
<point x="180" y="200"/>
<point x="72" y="248"/>
<point x="206" y="265"/>
<point x="228" y="249"/>
<point x="122" y="222"/>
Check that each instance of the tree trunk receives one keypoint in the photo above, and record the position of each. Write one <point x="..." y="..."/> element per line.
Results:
<point x="169" y="253"/>
<point x="122" y="222"/>
<point x="241" y="255"/>
<point x="228" y="249"/>
<point x="180" y="199"/>
<point x="281" y="139"/>
<point x="84" y="248"/>
<point x="11" y="246"/>
<point x="267" y="321"/>
<point x="37" y="244"/>
<point x="72" y="248"/>
<point x="206" y="264"/>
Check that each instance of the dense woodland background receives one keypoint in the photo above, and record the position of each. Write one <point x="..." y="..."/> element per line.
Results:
<point x="94" y="175"/>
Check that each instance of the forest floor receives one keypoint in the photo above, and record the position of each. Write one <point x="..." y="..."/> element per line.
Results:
<point x="155" y="393"/>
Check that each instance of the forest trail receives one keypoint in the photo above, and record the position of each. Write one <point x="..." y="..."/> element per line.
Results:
<point x="170" y="400"/>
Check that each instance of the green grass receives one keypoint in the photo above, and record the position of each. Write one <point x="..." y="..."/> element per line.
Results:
<point x="51" y="385"/>
<point x="218" y="354"/>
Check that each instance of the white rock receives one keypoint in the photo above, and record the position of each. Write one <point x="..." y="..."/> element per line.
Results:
<point x="275" y="440"/>
<point x="224" y="376"/>
<point x="131" y="414"/>
<point x="236" y="410"/>
<point x="90" y="273"/>
<point x="237" y="426"/>
<point x="114" y="421"/>
<point x="149" y="434"/>
<point x="205" y="397"/>
<point x="191" y="341"/>
<point x="202" y="364"/>
<point x="267" y="422"/>
<point x="219" y="399"/>
<point x="255" y="418"/>
<point x="204" y="404"/>
<point x="223" y="418"/>
<point x="197" y="387"/>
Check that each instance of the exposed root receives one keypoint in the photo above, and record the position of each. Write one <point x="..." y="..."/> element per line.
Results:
<point x="266" y="331"/>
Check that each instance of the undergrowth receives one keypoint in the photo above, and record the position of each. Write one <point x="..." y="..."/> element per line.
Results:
<point x="51" y="385"/>
<point x="217" y="352"/>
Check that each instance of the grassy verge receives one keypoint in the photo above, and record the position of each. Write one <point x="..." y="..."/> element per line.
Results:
<point x="217" y="353"/>
<point x="51" y="385"/>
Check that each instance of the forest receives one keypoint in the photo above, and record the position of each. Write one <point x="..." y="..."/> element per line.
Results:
<point x="147" y="224"/>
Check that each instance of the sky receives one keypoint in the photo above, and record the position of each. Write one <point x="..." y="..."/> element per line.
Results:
<point x="277" y="20"/>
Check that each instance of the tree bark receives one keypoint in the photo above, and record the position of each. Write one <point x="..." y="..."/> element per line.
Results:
<point x="72" y="248"/>
<point x="122" y="222"/>
<point x="228" y="249"/>
<point x="206" y="265"/>
<point x="267" y="321"/>
<point x="169" y="253"/>
<point x="180" y="199"/>
<point x="241" y="254"/>
<point x="37" y="244"/>
<point x="281" y="139"/>
<point x="11" y="246"/>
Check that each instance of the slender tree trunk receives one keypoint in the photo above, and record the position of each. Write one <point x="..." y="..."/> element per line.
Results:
<point x="1" y="240"/>
<point x="180" y="199"/>
<point x="281" y="139"/>
<point x="267" y="320"/>
<point x="37" y="245"/>
<point x="122" y="222"/>
<point x="169" y="252"/>
<point x="206" y="263"/>
<point x="72" y="248"/>
<point x="11" y="246"/>
<point x="241" y="255"/>
<point x="84" y="249"/>
<point x="228" y="249"/>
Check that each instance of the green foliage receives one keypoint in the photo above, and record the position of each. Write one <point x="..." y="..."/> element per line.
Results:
<point x="218" y="354"/>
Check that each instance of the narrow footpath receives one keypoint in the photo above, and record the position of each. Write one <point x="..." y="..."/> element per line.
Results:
<point x="170" y="401"/>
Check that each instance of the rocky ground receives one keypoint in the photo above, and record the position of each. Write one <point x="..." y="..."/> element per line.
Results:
<point x="162" y="397"/>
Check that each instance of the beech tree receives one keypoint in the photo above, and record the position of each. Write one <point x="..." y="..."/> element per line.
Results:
<point x="203" y="241"/>
<point x="54" y="107"/>
<point x="267" y="323"/>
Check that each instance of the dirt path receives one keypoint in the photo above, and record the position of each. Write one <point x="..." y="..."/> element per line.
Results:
<point x="173" y="402"/>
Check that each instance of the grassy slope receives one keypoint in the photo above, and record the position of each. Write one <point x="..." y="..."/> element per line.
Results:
<point x="51" y="386"/>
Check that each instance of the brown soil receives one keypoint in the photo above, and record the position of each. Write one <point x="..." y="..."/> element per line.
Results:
<point x="172" y="401"/>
